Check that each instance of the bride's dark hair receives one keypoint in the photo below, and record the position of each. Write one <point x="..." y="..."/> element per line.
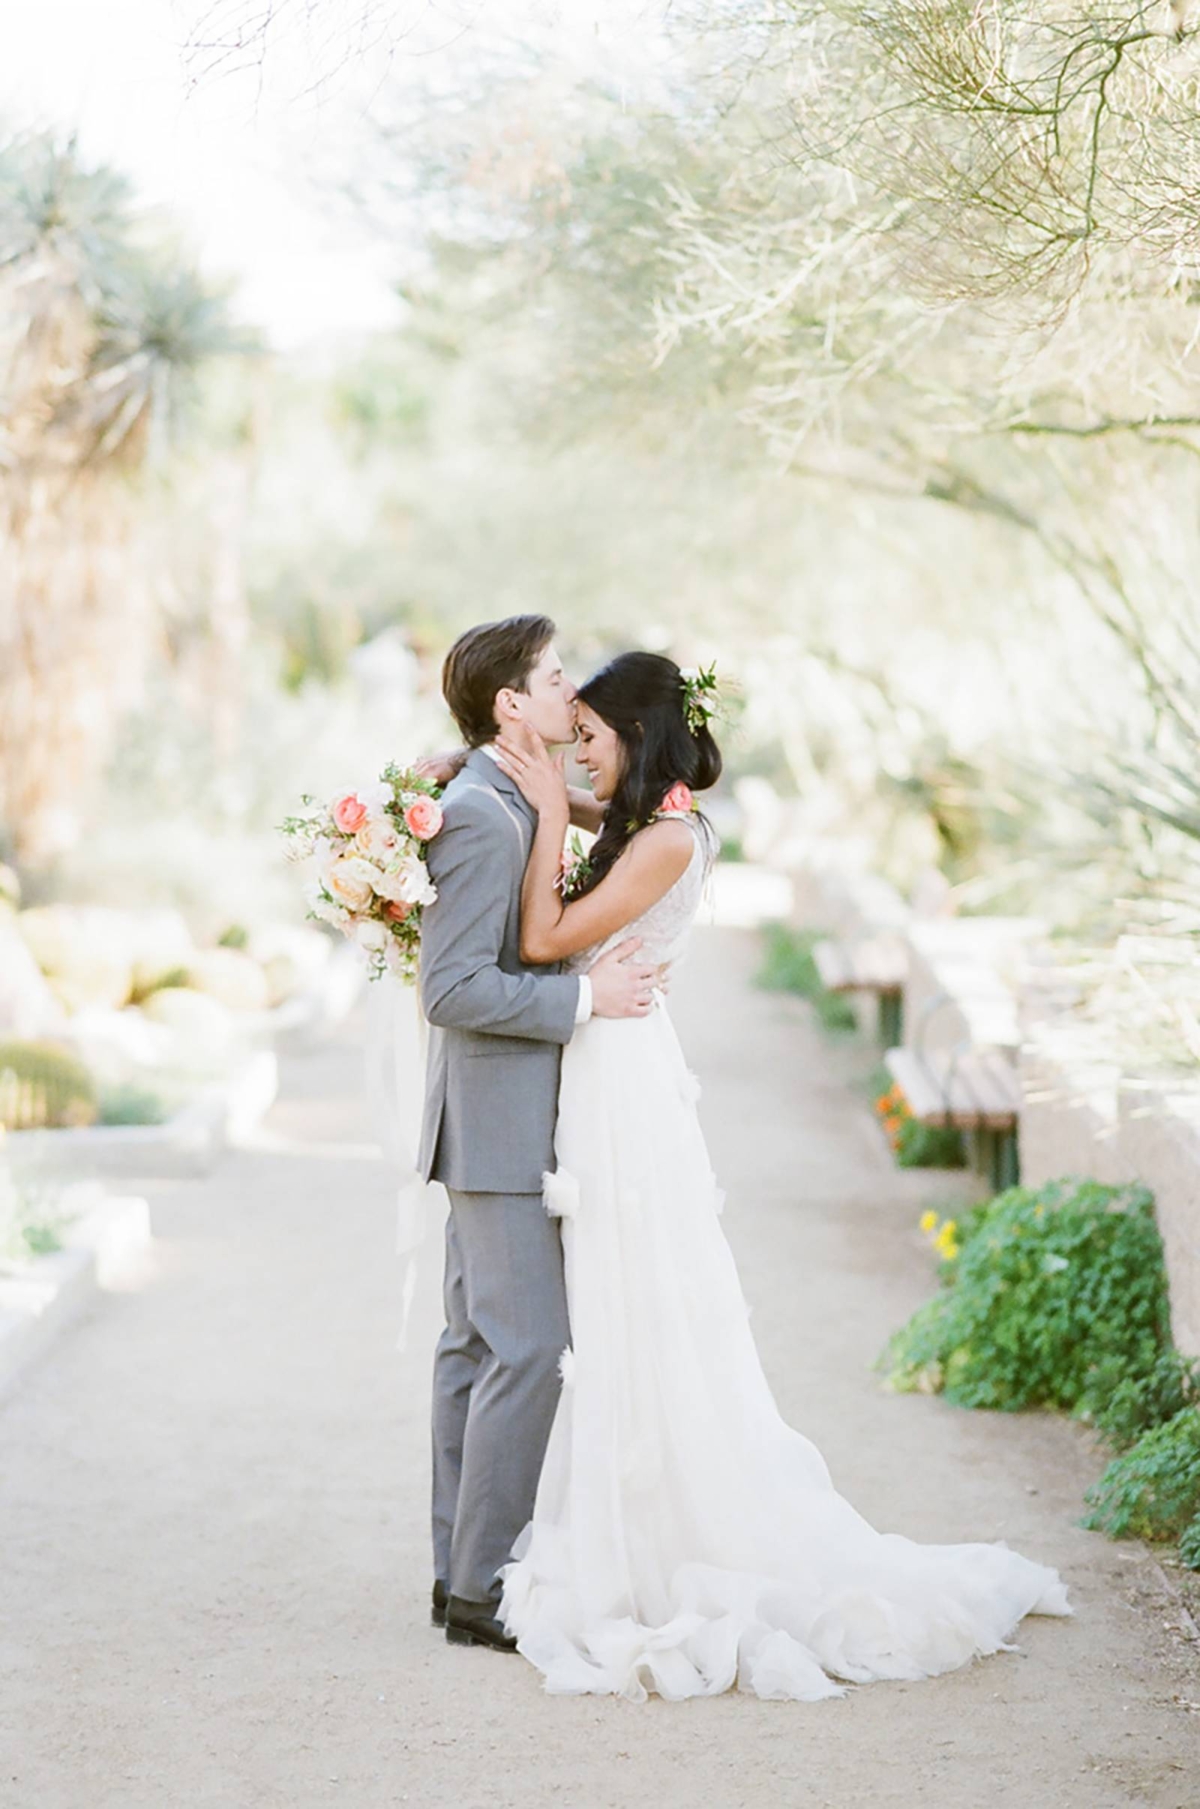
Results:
<point x="641" y="696"/>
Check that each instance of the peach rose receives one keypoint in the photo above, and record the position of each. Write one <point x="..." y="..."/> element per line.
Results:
<point x="349" y="880"/>
<point x="423" y="818"/>
<point x="678" y="800"/>
<point x="349" y="813"/>
<point x="395" y="911"/>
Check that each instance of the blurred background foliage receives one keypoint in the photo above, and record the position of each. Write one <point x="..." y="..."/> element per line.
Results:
<point x="852" y="345"/>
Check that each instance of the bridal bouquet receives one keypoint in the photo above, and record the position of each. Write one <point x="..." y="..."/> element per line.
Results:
<point x="371" y="881"/>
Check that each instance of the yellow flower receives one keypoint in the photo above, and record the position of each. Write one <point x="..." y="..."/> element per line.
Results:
<point x="928" y="1221"/>
<point x="945" y="1240"/>
<point x="1038" y="1211"/>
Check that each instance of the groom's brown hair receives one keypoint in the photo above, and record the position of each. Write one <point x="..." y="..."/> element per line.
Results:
<point x="495" y="656"/>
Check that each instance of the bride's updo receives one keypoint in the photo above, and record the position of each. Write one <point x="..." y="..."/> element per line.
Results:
<point x="641" y="696"/>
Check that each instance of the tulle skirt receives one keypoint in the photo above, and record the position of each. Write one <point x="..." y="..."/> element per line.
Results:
<point x="685" y="1539"/>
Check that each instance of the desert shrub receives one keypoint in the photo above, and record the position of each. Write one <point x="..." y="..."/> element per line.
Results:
<point x="131" y="1104"/>
<point x="43" y="1086"/>
<point x="32" y="1218"/>
<point x="788" y="966"/>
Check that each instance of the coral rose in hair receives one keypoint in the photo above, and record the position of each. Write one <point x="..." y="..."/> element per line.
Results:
<point x="679" y="800"/>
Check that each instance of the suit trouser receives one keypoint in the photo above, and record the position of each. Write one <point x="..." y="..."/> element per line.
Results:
<point x="495" y="1381"/>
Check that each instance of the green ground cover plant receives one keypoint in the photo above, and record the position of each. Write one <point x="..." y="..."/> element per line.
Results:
<point x="1056" y="1297"/>
<point x="1047" y="1289"/>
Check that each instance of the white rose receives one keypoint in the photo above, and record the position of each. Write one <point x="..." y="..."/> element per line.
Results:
<point x="327" y="912"/>
<point x="424" y="890"/>
<point x="407" y="882"/>
<point x="372" y="936"/>
<point x="350" y="879"/>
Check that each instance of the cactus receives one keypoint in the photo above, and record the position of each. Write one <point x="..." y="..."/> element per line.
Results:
<point x="44" y="1086"/>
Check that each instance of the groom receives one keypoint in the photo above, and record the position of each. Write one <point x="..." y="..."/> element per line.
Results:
<point x="491" y="1099"/>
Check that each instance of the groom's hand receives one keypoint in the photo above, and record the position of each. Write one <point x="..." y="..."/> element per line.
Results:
<point x="622" y="983"/>
<point x="439" y="769"/>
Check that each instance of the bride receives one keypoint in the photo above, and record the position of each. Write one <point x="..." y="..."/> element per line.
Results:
<point x="685" y="1539"/>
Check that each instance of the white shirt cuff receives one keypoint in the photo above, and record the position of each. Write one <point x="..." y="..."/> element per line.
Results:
<point x="583" y="1010"/>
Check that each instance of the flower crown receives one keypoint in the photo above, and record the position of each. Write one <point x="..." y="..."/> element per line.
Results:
<point x="702" y="700"/>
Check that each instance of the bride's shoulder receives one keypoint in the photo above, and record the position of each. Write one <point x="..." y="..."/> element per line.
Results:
<point x="666" y="844"/>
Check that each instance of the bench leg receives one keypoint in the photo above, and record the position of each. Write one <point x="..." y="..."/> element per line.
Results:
<point x="891" y="1019"/>
<point x="995" y="1154"/>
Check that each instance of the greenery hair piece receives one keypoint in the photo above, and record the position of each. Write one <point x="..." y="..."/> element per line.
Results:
<point x="702" y="700"/>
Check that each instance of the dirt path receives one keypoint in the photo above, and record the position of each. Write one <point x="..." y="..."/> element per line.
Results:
<point x="213" y="1507"/>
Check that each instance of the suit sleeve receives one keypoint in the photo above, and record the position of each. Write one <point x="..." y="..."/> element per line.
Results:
<point x="476" y="862"/>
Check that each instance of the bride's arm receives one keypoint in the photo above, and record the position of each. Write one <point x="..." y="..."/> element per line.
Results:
<point x="586" y="812"/>
<point x="647" y="868"/>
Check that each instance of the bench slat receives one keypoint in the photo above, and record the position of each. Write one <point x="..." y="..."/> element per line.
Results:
<point x="972" y="1092"/>
<point x="872" y="964"/>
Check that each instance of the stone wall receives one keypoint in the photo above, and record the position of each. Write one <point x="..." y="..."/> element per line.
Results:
<point x="1080" y="1119"/>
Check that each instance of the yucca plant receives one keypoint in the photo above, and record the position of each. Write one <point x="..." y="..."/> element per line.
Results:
<point x="104" y="332"/>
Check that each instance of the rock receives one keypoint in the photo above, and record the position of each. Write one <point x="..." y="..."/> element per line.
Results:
<point x="27" y="1005"/>
<point x="83" y="950"/>
<point x="230" y="976"/>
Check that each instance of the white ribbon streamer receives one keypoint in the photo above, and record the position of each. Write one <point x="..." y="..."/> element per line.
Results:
<point x="395" y="1081"/>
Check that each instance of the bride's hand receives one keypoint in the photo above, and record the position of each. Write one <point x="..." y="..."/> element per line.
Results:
<point x="540" y="775"/>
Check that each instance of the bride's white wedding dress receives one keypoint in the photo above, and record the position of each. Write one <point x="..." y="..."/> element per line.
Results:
<point x="685" y="1538"/>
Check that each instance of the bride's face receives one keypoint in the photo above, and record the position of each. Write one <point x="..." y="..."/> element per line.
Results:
<point x="599" y="749"/>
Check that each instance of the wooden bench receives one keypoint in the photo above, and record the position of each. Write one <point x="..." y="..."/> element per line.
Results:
<point x="975" y="1091"/>
<point x="874" y="964"/>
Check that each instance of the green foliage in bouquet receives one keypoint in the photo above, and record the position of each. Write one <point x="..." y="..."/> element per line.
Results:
<point x="1047" y="1290"/>
<point x="1152" y="1491"/>
<point x="788" y="966"/>
<point x="43" y="1087"/>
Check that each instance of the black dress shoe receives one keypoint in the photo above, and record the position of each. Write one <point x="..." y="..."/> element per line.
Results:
<point x="437" y="1611"/>
<point x="475" y="1624"/>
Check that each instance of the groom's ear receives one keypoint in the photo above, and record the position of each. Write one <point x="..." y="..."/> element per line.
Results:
<point x="505" y="707"/>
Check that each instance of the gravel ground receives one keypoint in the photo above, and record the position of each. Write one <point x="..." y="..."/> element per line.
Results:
<point x="213" y="1504"/>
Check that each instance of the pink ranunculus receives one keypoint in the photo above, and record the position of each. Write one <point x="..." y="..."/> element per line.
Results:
<point x="423" y="818"/>
<point x="679" y="800"/>
<point x="349" y="813"/>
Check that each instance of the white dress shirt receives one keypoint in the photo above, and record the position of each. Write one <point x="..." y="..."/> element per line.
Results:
<point x="583" y="1009"/>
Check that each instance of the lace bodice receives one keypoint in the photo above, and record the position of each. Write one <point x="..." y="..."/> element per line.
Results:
<point x="664" y="927"/>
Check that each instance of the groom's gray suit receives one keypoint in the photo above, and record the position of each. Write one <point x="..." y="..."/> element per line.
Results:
<point x="491" y="1098"/>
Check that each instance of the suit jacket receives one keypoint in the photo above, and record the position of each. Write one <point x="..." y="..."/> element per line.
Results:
<point x="497" y="1026"/>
